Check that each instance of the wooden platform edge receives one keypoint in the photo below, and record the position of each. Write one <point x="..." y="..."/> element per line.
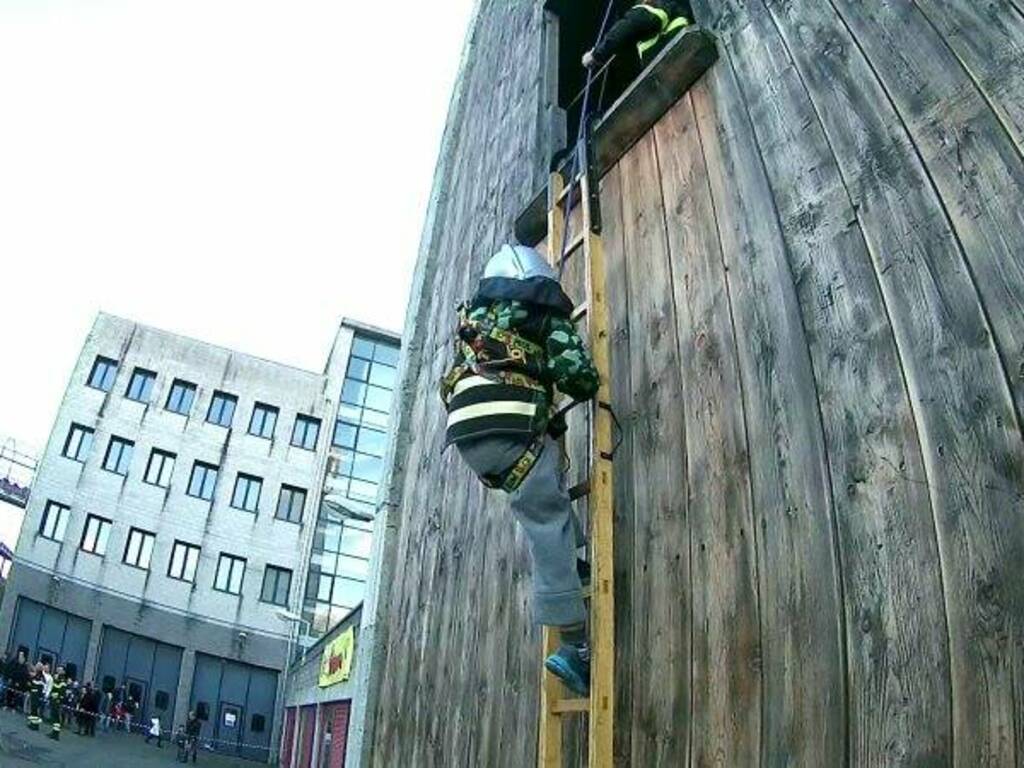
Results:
<point x="652" y="94"/>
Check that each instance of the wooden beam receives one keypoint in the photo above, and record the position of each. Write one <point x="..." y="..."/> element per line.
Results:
<point x="566" y="706"/>
<point x="658" y="87"/>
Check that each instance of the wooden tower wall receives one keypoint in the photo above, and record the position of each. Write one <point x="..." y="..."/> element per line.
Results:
<point x="817" y="265"/>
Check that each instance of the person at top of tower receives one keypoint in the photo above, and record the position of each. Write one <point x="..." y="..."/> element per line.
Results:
<point x="648" y="26"/>
<point x="516" y="349"/>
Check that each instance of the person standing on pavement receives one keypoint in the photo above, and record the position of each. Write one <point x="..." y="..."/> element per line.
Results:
<point x="37" y="685"/>
<point x="154" y="732"/>
<point x="89" y="706"/>
<point x="16" y="673"/>
<point x="193" y="728"/>
<point x="106" y="705"/>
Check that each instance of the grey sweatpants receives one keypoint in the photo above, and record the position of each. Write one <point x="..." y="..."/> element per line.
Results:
<point x="542" y="507"/>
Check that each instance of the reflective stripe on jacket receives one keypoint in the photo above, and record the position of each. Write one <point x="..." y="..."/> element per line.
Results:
<point x="669" y="26"/>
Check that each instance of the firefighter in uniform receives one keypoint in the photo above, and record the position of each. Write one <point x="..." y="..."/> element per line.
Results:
<point x="515" y="350"/>
<point x="35" y="697"/>
<point x="648" y="26"/>
<point x="57" y="691"/>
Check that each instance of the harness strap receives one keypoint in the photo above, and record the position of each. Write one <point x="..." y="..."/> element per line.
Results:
<point x="514" y="477"/>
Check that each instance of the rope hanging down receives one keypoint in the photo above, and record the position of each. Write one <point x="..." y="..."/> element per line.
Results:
<point x="580" y="134"/>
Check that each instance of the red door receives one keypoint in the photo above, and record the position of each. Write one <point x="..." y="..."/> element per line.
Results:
<point x="307" y="726"/>
<point x="333" y="734"/>
<point x="287" y="737"/>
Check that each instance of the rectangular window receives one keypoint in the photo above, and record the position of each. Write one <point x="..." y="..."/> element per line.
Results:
<point x="372" y="441"/>
<point x="363" y="490"/>
<point x="362" y="348"/>
<point x="277" y="582"/>
<point x="382" y="353"/>
<point x="247" y="492"/>
<point x="203" y="480"/>
<point x="344" y="434"/>
<point x="290" y="504"/>
<point x="181" y="397"/>
<point x="95" y="535"/>
<point x="103" y="372"/>
<point x="79" y="442"/>
<point x="55" y="521"/>
<point x="353" y="392"/>
<point x="184" y="561"/>
<point x="139" y="550"/>
<point x="367" y="468"/>
<point x="140" y="387"/>
<point x="263" y="421"/>
<point x="306" y="432"/>
<point x="222" y="409"/>
<point x="378" y="398"/>
<point x="383" y="375"/>
<point x="160" y="468"/>
<point x="230" y="574"/>
<point x="119" y="456"/>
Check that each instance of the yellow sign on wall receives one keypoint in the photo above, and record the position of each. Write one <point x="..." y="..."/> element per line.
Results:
<point x="336" y="662"/>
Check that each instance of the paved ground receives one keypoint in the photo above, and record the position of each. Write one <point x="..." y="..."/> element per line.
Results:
<point x="22" y="748"/>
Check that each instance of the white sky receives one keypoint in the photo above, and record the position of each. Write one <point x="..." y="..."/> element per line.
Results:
<point x="241" y="171"/>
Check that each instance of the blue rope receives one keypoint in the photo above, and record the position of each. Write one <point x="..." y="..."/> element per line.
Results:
<point x="580" y="134"/>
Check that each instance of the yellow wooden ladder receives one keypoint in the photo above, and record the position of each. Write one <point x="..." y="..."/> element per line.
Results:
<point x="600" y="706"/>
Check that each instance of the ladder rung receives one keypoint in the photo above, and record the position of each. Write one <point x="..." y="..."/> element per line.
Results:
<point x="574" y="183"/>
<point x="580" y="312"/>
<point x="573" y="245"/>
<point x="579" y="490"/>
<point x="564" y="706"/>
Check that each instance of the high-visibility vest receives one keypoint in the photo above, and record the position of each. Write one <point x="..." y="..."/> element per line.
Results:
<point x="668" y="27"/>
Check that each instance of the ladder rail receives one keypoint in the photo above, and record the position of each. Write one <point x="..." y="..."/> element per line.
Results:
<point x="549" y="753"/>
<point x="601" y="498"/>
<point x="600" y="706"/>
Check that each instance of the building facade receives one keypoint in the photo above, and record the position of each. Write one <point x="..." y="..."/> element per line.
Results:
<point x="318" y="698"/>
<point x="166" y="544"/>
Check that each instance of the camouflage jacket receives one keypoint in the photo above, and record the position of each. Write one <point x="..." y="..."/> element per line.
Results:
<point x="569" y="366"/>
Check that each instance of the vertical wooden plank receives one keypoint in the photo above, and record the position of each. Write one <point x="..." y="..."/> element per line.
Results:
<point x="625" y="566"/>
<point x="660" y="599"/>
<point x="986" y="37"/>
<point x="726" y="654"/>
<point x="803" y="653"/>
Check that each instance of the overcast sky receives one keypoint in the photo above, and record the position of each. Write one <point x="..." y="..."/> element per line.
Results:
<point x="241" y="171"/>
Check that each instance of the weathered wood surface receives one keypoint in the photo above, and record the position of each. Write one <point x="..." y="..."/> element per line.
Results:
<point x="816" y="260"/>
<point x="724" y="576"/>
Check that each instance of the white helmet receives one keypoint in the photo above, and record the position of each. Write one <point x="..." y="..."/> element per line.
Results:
<point x="518" y="262"/>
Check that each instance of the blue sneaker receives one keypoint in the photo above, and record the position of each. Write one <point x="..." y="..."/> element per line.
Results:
<point x="571" y="668"/>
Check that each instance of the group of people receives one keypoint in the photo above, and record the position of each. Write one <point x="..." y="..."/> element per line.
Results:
<point x="58" y="699"/>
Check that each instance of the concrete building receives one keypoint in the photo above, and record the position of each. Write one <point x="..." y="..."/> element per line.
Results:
<point x="167" y="542"/>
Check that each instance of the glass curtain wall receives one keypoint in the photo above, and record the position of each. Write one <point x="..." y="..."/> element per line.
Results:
<point x="341" y="546"/>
